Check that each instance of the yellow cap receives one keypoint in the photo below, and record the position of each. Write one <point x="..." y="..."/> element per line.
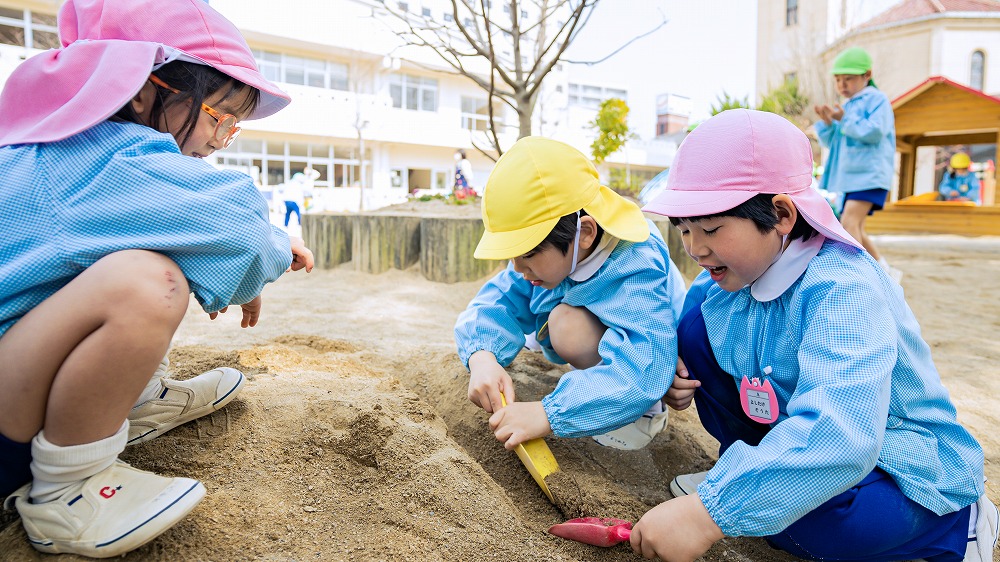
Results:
<point x="960" y="160"/>
<point x="537" y="182"/>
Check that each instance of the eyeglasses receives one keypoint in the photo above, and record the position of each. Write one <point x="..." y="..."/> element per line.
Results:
<point x="226" y="130"/>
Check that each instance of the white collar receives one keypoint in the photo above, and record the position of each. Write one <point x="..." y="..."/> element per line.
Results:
<point x="588" y="267"/>
<point x="789" y="266"/>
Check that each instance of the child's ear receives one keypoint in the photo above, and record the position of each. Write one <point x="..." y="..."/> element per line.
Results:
<point x="588" y="232"/>
<point x="786" y="212"/>
<point x="142" y="102"/>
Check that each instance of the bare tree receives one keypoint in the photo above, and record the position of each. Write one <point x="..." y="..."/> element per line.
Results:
<point x="521" y="42"/>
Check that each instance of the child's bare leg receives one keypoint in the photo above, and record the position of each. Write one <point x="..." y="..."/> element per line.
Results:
<point x="77" y="362"/>
<point x="575" y="333"/>
<point x="853" y="220"/>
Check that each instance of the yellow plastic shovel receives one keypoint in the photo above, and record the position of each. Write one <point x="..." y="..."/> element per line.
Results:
<point x="537" y="458"/>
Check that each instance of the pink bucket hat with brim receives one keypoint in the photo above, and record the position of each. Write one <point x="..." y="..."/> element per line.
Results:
<point x="738" y="154"/>
<point x="109" y="49"/>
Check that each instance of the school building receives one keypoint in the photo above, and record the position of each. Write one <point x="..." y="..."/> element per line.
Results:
<point x="377" y="119"/>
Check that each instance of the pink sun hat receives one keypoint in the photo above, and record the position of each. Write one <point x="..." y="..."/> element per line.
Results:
<point x="738" y="154"/>
<point x="109" y="49"/>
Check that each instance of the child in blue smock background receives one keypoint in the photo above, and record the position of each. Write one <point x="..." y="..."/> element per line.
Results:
<point x="958" y="184"/>
<point x="111" y="219"/>
<point x="861" y="137"/>
<point x="837" y="439"/>
<point x="590" y="282"/>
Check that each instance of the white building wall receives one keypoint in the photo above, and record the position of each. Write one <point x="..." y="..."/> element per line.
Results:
<point x="402" y="149"/>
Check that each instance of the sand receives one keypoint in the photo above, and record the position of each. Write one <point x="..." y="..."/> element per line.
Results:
<point x="354" y="439"/>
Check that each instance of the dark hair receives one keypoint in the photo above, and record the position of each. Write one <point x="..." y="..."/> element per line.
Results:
<point x="760" y="210"/>
<point x="564" y="233"/>
<point x="196" y="82"/>
<point x="462" y="152"/>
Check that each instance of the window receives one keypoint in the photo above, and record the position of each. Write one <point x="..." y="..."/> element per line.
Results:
<point x="413" y="92"/>
<point x="791" y="12"/>
<point x="524" y="14"/>
<point x="791" y="77"/>
<point x="976" y="74"/>
<point x="25" y="28"/>
<point x="289" y="69"/>
<point x="591" y="97"/>
<point x="448" y="17"/>
<point x="426" y="12"/>
<point x="274" y="162"/>
<point x="403" y="7"/>
<point x="476" y="116"/>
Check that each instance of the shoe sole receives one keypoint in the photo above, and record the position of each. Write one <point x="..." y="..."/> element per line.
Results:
<point x="191" y="415"/>
<point x="676" y="490"/>
<point x="133" y="538"/>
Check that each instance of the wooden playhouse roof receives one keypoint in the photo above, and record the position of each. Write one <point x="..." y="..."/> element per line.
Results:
<point x="940" y="107"/>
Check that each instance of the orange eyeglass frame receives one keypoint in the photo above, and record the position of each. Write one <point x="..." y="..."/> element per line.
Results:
<point x="232" y="130"/>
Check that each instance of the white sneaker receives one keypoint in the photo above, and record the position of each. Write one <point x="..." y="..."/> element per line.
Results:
<point x="635" y="435"/>
<point x="980" y="548"/>
<point x="112" y="512"/>
<point x="182" y="401"/>
<point x="686" y="484"/>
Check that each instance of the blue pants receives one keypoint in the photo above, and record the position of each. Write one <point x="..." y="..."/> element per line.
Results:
<point x="15" y="465"/>
<point x="292" y="207"/>
<point x="872" y="521"/>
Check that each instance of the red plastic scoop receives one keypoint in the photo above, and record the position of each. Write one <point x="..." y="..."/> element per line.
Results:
<point x="598" y="531"/>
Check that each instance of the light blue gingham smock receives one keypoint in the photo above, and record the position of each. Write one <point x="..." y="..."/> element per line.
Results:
<point x="856" y="389"/>
<point x="638" y="293"/>
<point x="862" y="144"/>
<point x="118" y="186"/>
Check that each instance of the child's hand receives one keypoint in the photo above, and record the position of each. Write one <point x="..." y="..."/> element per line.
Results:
<point x="837" y="113"/>
<point x="251" y="313"/>
<point x="678" y="530"/>
<point x="824" y="112"/>
<point x="681" y="391"/>
<point x="519" y="422"/>
<point x="302" y="257"/>
<point x="487" y="380"/>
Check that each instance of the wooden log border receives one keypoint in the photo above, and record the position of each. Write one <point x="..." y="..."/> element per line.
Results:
<point x="443" y="246"/>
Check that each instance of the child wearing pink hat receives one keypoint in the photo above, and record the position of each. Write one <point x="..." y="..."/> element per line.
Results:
<point x="837" y="439"/>
<point x="111" y="219"/>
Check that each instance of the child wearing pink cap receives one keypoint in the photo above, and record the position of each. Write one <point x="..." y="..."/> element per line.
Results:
<point x="837" y="439"/>
<point x="111" y="219"/>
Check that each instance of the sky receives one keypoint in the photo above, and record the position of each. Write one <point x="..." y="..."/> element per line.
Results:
<point x="706" y="47"/>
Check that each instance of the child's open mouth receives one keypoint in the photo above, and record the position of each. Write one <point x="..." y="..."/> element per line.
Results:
<point x="717" y="272"/>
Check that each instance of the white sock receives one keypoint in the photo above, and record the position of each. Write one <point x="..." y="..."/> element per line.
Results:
<point x="153" y="387"/>
<point x="55" y="468"/>
<point x="973" y="519"/>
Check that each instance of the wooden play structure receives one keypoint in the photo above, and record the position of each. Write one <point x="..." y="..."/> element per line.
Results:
<point x="939" y="112"/>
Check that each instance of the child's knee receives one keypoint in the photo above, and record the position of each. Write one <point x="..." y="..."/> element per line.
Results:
<point x="575" y="333"/>
<point x="141" y="280"/>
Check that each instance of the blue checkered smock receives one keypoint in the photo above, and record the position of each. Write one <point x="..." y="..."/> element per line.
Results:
<point x="638" y="293"/>
<point x="118" y="186"/>
<point x="862" y="144"/>
<point x="856" y="389"/>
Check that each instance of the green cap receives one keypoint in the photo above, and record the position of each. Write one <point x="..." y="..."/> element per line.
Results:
<point x="852" y="61"/>
<point x="855" y="61"/>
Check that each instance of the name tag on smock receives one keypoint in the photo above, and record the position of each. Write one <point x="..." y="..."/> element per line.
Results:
<point x="759" y="400"/>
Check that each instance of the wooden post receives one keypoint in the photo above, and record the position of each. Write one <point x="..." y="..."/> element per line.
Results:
<point x="687" y="266"/>
<point x="329" y="236"/>
<point x="384" y="242"/>
<point x="446" y="250"/>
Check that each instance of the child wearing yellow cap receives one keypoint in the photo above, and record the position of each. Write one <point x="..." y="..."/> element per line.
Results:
<point x="861" y="137"/>
<point x="958" y="184"/>
<point x="591" y="282"/>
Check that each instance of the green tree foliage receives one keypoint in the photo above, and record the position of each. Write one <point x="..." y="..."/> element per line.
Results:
<point x="612" y="128"/>
<point x="728" y="102"/>
<point x="786" y="100"/>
